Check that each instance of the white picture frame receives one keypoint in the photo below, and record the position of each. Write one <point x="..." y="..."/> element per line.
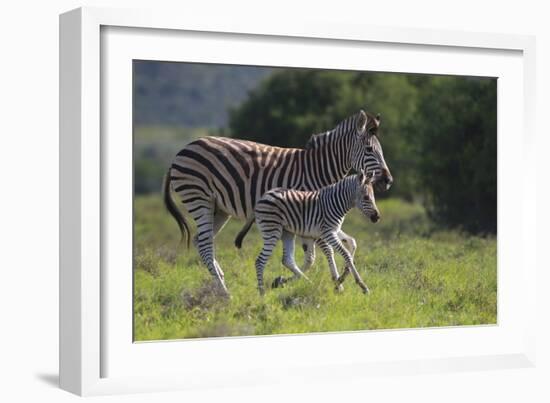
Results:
<point x="88" y="318"/>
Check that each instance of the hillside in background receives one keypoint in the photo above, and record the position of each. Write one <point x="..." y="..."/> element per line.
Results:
<point x="190" y="94"/>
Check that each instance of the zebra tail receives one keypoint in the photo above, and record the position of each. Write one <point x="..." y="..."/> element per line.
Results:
<point x="243" y="232"/>
<point x="173" y="209"/>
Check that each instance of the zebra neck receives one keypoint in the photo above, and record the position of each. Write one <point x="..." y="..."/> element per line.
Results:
<point x="327" y="162"/>
<point x="341" y="196"/>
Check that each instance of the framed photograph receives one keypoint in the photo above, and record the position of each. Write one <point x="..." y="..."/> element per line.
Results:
<point x="243" y="204"/>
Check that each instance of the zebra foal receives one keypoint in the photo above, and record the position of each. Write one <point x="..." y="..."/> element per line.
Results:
<point x="315" y="215"/>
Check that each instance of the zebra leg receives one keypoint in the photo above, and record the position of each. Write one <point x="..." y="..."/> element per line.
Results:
<point x="347" y="270"/>
<point x="288" y="260"/>
<point x="329" y="253"/>
<point x="348" y="241"/>
<point x="308" y="245"/>
<point x="335" y="242"/>
<point x="309" y="248"/>
<point x="220" y="219"/>
<point x="270" y="240"/>
<point x="351" y="245"/>
<point x="288" y="256"/>
<point x="204" y="242"/>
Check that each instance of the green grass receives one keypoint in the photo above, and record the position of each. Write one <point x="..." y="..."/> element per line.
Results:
<point x="418" y="277"/>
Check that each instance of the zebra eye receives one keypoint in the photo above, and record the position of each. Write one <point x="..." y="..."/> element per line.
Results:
<point x="369" y="149"/>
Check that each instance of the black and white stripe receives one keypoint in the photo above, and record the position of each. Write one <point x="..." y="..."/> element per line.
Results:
<point x="217" y="178"/>
<point x="281" y="214"/>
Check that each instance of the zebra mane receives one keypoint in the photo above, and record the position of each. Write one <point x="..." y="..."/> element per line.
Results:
<point x="344" y="126"/>
<point x="315" y="140"/>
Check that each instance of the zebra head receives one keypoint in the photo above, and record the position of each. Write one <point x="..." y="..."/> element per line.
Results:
<point x="366" y="150"/>
<point x="365" y="201"/>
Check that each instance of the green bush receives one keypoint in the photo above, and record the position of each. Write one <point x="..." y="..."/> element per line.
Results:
<point x="458" y="146"/>
<point x="290" y="106"/>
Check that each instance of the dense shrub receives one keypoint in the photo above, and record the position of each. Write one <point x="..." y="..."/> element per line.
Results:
<point x="291" y="105"/>
<point x="458" y="151"/>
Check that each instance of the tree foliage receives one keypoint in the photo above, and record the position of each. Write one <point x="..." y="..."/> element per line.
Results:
<point x="458" y="142"/>
<point x="290" y="106"/>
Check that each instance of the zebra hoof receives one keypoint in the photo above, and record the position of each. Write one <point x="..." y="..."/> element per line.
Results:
<point x="225" y="295"/>
<point x="278" y="282"/>
<point x="221" y="291"/>
<point x="339" y="288"/>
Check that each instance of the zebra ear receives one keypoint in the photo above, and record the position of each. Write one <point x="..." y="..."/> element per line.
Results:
<point x="362" y="121"/>
<point x="378" y="118"/>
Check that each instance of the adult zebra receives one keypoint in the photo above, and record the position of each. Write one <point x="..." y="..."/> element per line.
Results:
<point x="217" y="178"/>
